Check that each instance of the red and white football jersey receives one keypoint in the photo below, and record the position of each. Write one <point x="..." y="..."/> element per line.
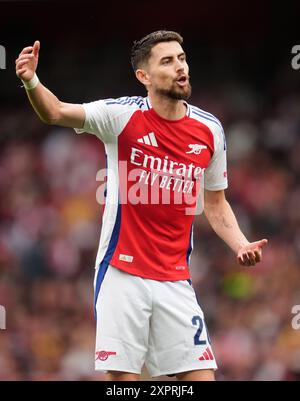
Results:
<point x="154" y="170"/>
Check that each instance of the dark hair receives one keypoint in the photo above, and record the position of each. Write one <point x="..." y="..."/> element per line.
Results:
<point x="141" y="49"/>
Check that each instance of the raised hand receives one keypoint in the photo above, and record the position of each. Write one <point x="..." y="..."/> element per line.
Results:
<point x="26" y="63"/>
<point x="251" y="254"/>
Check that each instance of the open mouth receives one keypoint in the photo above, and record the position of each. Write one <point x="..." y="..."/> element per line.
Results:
<point x="182" y="81"/>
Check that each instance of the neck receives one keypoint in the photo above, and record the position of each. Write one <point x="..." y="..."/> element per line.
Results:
<point x="170" y="109"/>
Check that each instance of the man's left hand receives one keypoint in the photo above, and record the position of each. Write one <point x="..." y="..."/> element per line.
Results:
<point x="251" y="254"/>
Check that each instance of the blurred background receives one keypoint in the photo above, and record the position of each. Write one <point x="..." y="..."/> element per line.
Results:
<point x="241" y="68"/>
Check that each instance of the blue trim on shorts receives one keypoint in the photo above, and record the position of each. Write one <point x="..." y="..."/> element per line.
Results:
<point x="190" y="248"/>
<point x="107" y="257"/>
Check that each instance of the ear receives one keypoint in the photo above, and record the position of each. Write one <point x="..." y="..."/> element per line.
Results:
<point x="143" y="77"/>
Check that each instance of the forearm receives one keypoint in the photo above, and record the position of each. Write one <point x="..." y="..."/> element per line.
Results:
<point x="45" y="103"/>
<point x="224" y="223"/>
<point x="47" y="106"/>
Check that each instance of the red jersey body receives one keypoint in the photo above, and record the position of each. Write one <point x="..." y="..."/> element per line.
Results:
<point x="156" y="169"/>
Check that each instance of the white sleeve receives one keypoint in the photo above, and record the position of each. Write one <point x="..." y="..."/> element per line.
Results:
<point x="215" y="177"/>
<point x="106" y="118"/>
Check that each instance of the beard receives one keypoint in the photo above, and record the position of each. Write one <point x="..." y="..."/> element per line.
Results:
<point x="176" y="93"/>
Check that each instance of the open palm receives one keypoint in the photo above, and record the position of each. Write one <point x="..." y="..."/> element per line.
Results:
<point x="251" y="254"/>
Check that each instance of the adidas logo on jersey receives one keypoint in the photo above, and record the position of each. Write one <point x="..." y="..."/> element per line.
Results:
<point x="207" y="355"/>
<point x="149" y="140"/>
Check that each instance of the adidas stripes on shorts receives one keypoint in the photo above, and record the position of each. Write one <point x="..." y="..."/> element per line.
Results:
<point x="156" y="323"/>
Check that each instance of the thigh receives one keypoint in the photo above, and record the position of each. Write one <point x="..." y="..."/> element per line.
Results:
<point x="121" y="376"/>
<point x="197" y="375"/>
<point x="179" y="341"/>
<point x="123" y="309"/>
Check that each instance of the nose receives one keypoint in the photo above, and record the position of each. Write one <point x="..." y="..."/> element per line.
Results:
<point x="179" y="66"/>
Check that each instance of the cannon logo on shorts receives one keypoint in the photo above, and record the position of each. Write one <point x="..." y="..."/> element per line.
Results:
<point x="103" y="355"/>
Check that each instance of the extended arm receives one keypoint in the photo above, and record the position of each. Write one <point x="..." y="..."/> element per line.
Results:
<point x="47" y="106"/>
<point x="224" y="223"/>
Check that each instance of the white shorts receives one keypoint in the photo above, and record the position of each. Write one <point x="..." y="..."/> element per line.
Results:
<point x="156" y="323"/>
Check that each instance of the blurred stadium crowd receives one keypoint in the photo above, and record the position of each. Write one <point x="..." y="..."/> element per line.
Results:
<point x="50" y="226"/>
<point x="50" y="220"/>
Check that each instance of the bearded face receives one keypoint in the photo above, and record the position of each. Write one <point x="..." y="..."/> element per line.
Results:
<point x="168" y="71"/>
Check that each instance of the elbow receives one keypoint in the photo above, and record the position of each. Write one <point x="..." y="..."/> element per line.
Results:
<point x="46" y="120"/>
<point x="51" y="115"/>
<point x="49" y="119"/>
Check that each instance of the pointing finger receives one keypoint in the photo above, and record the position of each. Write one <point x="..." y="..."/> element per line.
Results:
<point x="36" y="48"/>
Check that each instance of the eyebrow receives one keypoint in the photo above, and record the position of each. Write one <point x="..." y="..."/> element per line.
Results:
<point x="170" y="57"/>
